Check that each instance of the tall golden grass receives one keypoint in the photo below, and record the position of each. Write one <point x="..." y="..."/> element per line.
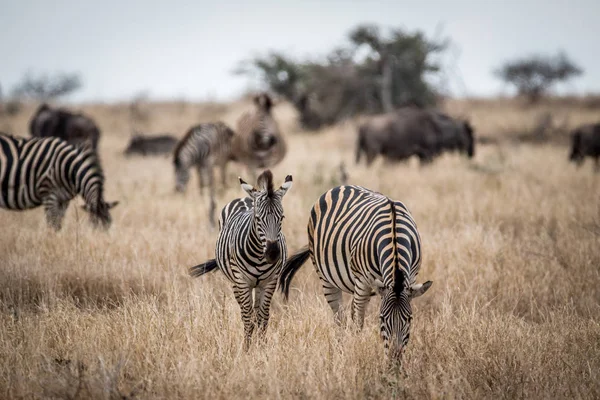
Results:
<point x="511" y="240"/>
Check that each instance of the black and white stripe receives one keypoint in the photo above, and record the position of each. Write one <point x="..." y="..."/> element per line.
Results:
<point x="360" y="240"/>
<point x="51" y="172"/>
<point x="251" y="249"/>
<point x="258" y="142"/>
<point x="203" y="147"/>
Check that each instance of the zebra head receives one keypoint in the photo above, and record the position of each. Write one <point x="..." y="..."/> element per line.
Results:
<point x="100" y="213"/>
<point x="265" y="130"/>
<point x="396" y="313"/>
<point x="268" y="212"/>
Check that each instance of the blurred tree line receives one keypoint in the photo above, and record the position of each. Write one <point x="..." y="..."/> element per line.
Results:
<point x="39" y="88"/>
<point x="374" y="73"/>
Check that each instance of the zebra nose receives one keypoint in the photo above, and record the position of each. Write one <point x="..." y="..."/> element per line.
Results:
<point x="272" y="252"/>
<point x="396" y="353"/>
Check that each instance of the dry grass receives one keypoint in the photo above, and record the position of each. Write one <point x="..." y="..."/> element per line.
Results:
<point x="510" y="239"/>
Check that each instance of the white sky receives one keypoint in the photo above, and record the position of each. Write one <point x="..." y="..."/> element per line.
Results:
<point x="187" y="49"/>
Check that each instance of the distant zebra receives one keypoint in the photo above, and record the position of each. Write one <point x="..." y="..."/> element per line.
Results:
<point x="203" y="146"/>
<point x="51" y="172"/>
<point x="251" y="249"/>
<point x="258" y="143"/>
<point x="359" y="240"/>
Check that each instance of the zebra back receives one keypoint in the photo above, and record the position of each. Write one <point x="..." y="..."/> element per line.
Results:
<point x="204" y="143"/>
<point x="380" y="233"/>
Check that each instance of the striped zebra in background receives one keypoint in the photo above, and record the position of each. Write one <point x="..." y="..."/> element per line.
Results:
<point x="258" y="142"/>
<point x="251" y="249"/>
<point x="51" y="172"/>
<point x="359" y="240"/>
<point x="203" y="147"/>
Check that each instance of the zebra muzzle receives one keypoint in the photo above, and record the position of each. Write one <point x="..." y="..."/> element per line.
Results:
<point x="272" y="252"/>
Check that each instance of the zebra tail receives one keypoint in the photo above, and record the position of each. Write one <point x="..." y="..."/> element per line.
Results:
<point x="292" y="266"/>
<point x="203" y="268"/>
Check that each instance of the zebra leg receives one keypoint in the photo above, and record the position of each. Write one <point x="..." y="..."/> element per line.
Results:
<point x="55" y="212"/>
<point x="333" y="295"/>
<point x="243" y="295"/>
<point x="213" y="204"/>
<point x="361" y="297"/>
<point x="262" y="305"/>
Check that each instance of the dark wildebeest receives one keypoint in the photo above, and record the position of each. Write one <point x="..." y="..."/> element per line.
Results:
<point x="456" y="135"/>
<point x="412" y="131"/>
<point x="586" y="142"/>
<point x="150" y="145"/>
<point x="59" y="122"/>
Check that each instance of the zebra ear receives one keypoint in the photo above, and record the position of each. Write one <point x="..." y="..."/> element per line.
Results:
<point x="263" y="101"/>
<point x="247" y="187"/>
<point x="286" y="185"/>
<point x="418" y="289"/>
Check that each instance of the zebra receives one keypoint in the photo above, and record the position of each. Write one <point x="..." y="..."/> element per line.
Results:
<point x="358" y="240"/>
<point x="251" y="249"/>
<point x="258" y="142"/>
<point x="51" y="172"/>
<point x="203" y="146"/>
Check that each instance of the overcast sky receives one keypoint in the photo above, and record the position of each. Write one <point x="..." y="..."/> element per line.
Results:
<point x="187" y="49"/>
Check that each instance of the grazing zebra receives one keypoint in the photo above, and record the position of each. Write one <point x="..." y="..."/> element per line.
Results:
<point x="203" y="146"/>
<point x="258" y="143"/>
<point x="51" y="172"/>
<point x="251" y="249"/>
<point x="359" y="240"/>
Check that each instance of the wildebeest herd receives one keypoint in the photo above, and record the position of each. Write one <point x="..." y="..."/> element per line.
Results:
<point x="360" y="241"/>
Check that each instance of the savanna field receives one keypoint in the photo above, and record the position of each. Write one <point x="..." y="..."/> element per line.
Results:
<point x="511" y="241"/>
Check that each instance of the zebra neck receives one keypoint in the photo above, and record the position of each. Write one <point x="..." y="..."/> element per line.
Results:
<point x="92" y="195"/>
<point x="89" y="184"/>
<point x="254" y="241"/>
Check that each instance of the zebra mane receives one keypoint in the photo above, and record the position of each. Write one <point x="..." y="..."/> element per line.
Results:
<point x="399" y="276"/>
<point x="265" y="181"/>
<point x="183" y="141"/>
<point x="264" y="102"/>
